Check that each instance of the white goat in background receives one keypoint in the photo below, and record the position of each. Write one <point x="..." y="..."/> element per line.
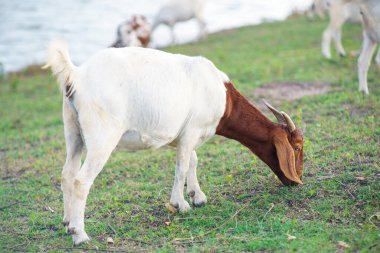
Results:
<point x="177" y="11"/>
<point x="370" y="10"/>
<point x="339" y="11"/>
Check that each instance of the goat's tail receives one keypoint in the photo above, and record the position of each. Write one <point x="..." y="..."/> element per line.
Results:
<point x="60" y="63"/>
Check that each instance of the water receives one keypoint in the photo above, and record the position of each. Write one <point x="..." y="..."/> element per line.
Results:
<point x="26" y="26"/>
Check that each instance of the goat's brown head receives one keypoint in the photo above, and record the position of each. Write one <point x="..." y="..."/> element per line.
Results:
<point x="287" y="140"/>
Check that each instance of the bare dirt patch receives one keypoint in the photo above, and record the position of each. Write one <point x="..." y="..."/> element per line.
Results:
<point x="290" y="90"/>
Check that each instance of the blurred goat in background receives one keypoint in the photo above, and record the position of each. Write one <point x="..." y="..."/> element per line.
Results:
<point x="370" y="10"/>
<point x="133" y="33"/>
<point x="177" y="11"/>
<point x="340" y="11"/>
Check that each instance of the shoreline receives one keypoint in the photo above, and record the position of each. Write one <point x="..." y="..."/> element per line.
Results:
<point x="30" y="69"/>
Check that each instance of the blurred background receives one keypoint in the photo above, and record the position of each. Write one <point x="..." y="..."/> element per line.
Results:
<point x="27" y="26"/>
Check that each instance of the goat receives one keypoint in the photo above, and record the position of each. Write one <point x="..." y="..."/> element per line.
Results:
<point x="179" y="11"/>
<point x="339" y="11"/>
<point x="133" y="33"/>
<point x="370" y="10"/>
<point x="143" y="98"/>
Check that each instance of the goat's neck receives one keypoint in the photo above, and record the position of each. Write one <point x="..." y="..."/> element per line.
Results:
<point x="244" y="123"/>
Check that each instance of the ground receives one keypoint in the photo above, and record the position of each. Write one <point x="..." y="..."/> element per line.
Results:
<point x="337" y="209"/>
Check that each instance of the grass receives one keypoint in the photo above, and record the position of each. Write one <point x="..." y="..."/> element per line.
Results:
<point x="248" y="209"/>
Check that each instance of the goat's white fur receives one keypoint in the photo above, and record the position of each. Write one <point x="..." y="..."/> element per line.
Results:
<point x="137" y="98"/>
<point x="371" y="37"/>
<point x="177" y="11"/>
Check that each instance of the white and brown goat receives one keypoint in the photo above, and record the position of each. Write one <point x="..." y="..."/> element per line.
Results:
<point x="145" y="99"/>
<point x="134" y="32"/>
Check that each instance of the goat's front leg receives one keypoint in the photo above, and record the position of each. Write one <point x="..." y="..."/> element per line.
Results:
<point x="364" y="62"/>
<point x="198" y="198"/>
<point x="183" y="161"/>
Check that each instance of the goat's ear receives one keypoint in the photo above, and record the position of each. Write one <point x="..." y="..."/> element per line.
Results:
<point x="285" y="155"/>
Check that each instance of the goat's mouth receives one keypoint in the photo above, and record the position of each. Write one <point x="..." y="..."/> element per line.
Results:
<point x="288" y="182"/>
<point x="284" y="180"/>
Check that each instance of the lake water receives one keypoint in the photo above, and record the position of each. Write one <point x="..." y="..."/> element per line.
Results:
<point x="26" y="26"/>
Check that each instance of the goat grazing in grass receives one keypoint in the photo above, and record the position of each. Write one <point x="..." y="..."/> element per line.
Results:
<point x="144" y="99"/>
<point x="370" y="10"/>
<point x="179" y="11"/>
<point x="133" y="33"/>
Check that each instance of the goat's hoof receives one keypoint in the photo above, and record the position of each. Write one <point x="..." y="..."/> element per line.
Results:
<point x="65" y="223"/>
<point x="80" y="239"/>
<point x="182" y="206"/>
<point x="342" y="54"/>
<point x="365" y="92"/>
<point x="71" y="230"/>
<point x="326" y="55"/>
<point x="191" y="194"/>
<point x="198" y="199"/>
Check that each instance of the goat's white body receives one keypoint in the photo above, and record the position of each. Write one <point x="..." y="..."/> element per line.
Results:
<point x="177" y="11"/>
<point x="136" y="98"/>
<point x="371" y="37"/>
<point x="156" y="97"/>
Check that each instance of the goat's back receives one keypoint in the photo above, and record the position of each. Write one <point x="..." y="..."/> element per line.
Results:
<point x="159" y="95"/>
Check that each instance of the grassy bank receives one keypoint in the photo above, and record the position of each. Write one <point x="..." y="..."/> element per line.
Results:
<point x="248" y="209"/>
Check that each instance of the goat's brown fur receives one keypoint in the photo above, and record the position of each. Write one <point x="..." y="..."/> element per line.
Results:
<point x="271" y="142"/>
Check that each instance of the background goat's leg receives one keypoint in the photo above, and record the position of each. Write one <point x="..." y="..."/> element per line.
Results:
<point x="333" y="31"/>
<point x="338" y="42"/>
<point x="364" y="61"/>
<point x="377" y="59"/>
<point x="202" y="27"/>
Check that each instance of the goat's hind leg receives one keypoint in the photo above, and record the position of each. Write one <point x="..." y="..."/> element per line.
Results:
<point x="74" y="146"/>
<point x="99" y="148"/>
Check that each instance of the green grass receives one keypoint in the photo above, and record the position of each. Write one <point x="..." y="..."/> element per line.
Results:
<point x="248" y="209"/>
